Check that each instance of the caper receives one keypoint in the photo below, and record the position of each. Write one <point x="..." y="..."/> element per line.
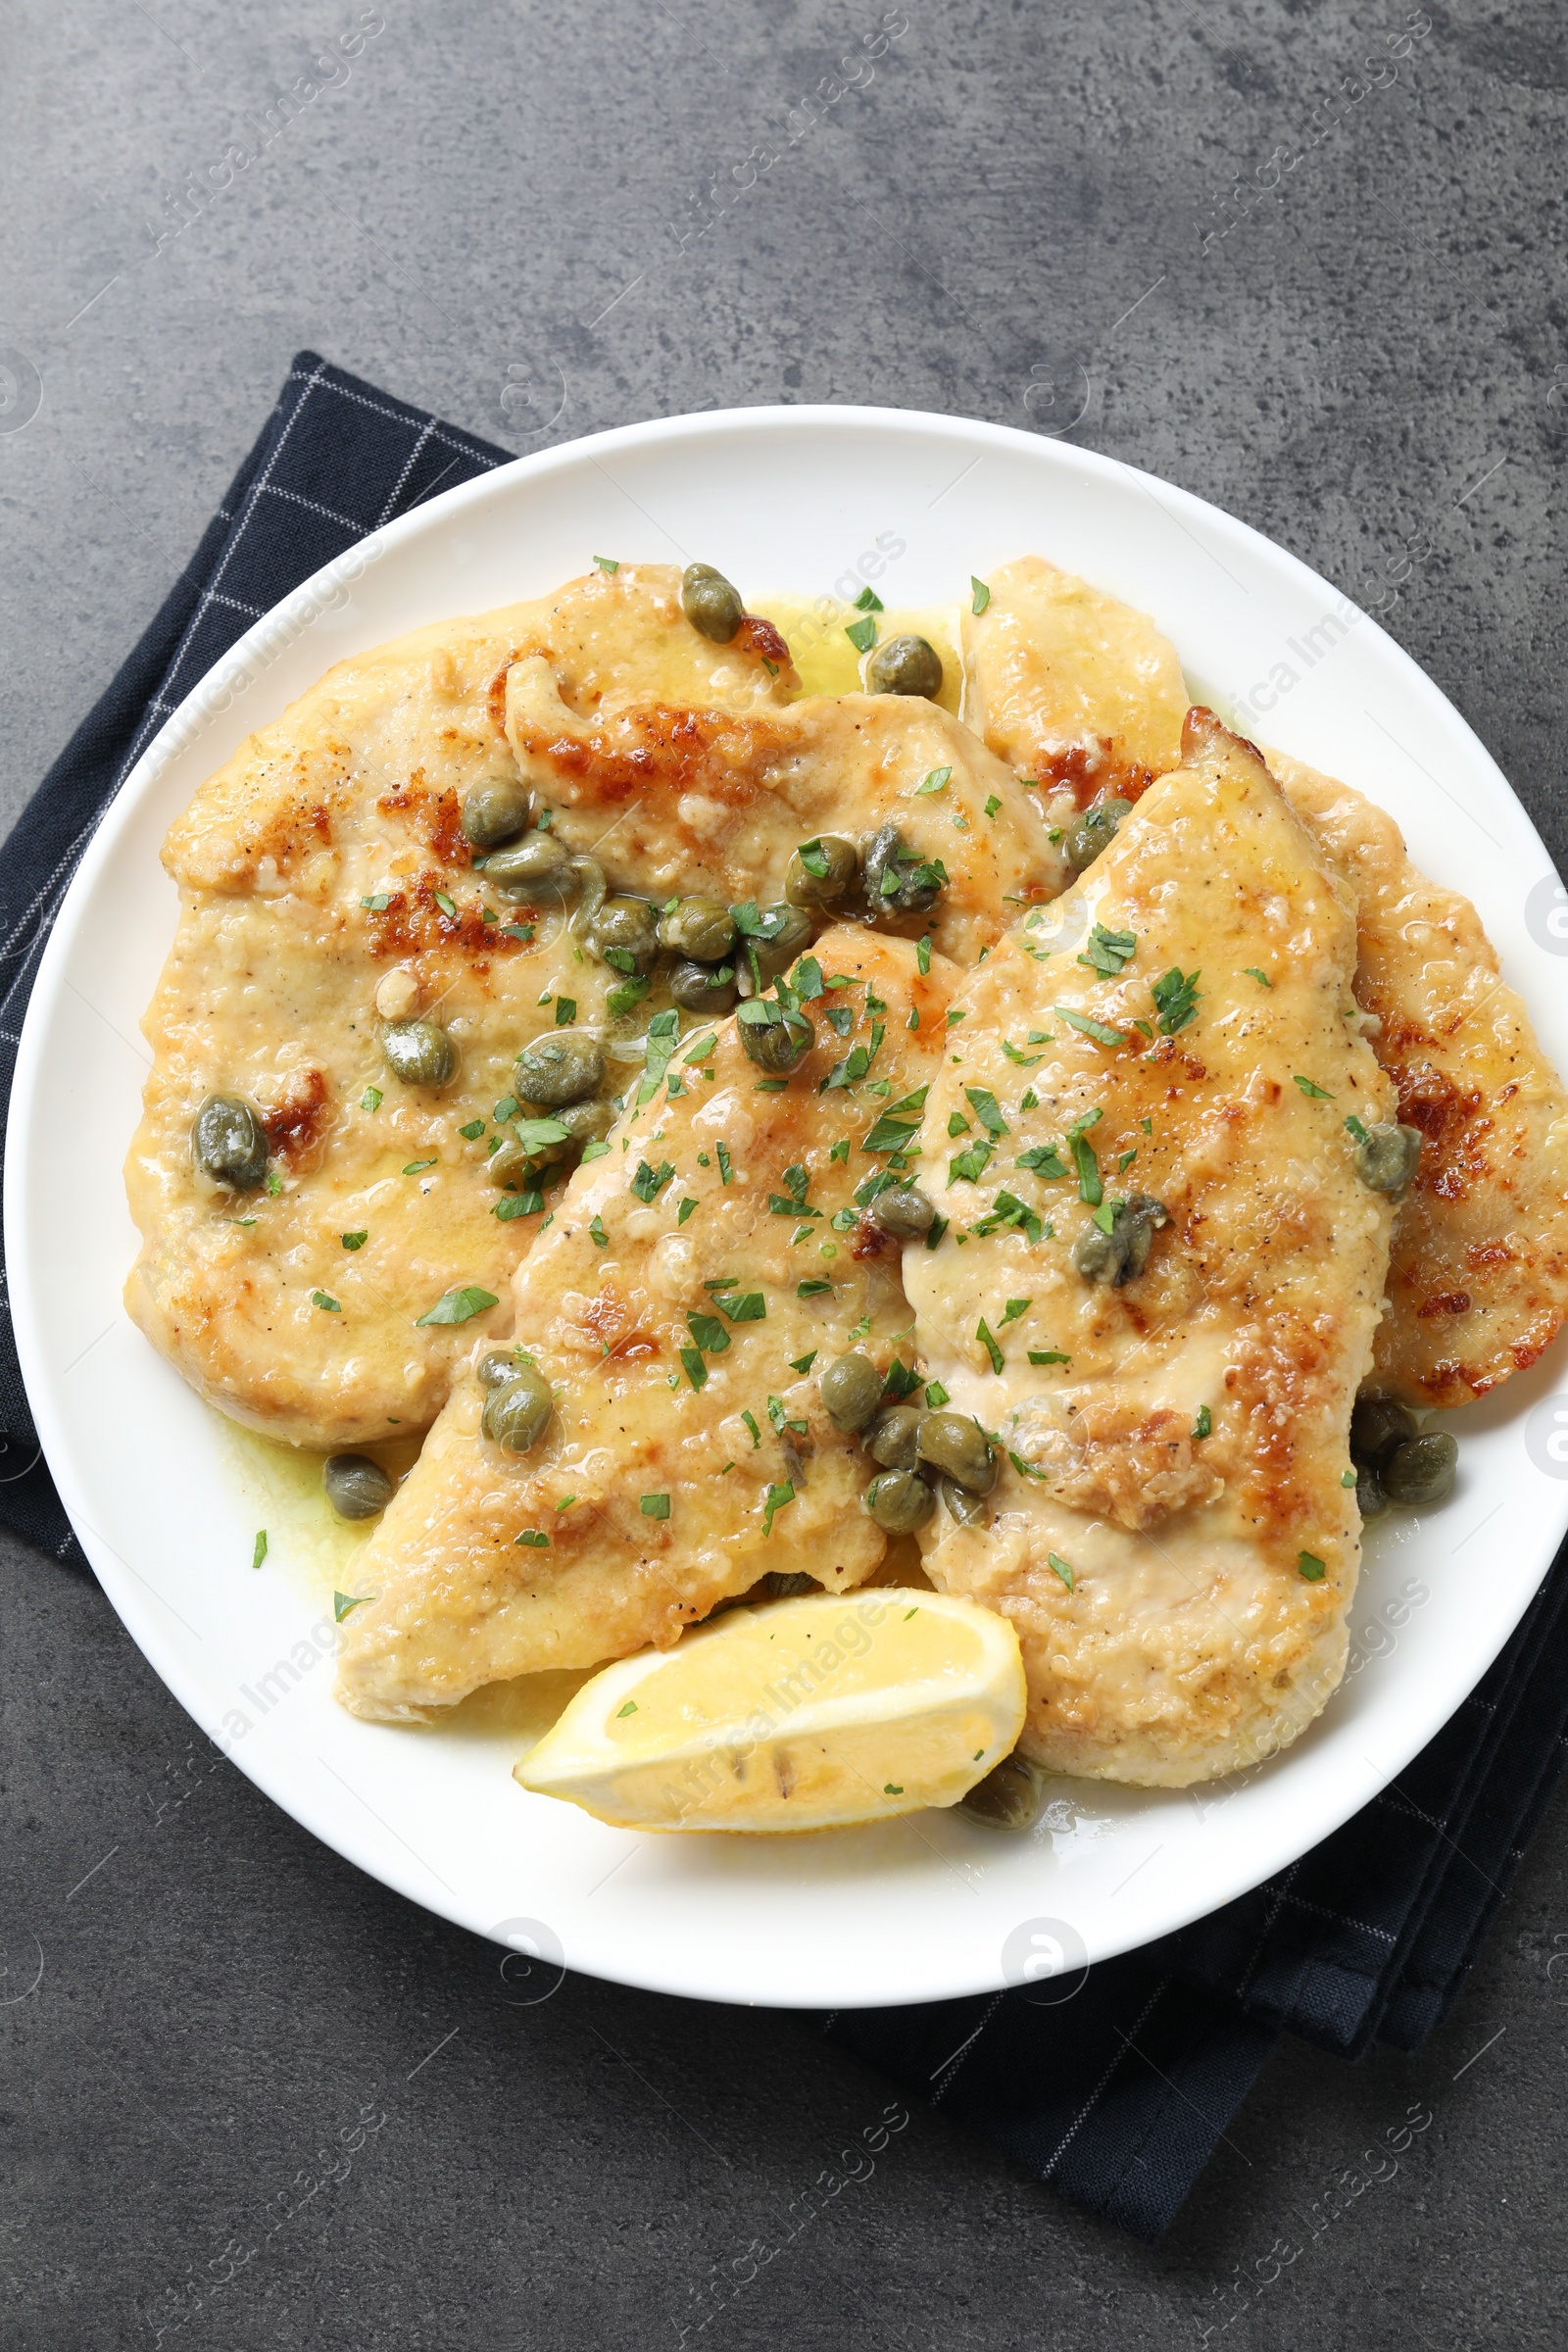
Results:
<point x="1377" y="1425"/>
<point x="560" y="1069"/>
<point x="703" y="929"/>
<point x="1385" y="1156"/>
<point x="789" y="1587"/>
<point x="709" y="602"/>
<point x="851" y="1390"/>
<point x="905" y="666"/>
<point x="958" y="1448"/>
<point x="1369" y="1495"/>
<point x="904" y="1211"/>
<point x="891" y="1437"/>
<point x="777" y="1045"/>
<point x="898" y="879"/>
<point x="586" y="1122"/>
<point x="900" y="1503"/>
<point x="968" y="1509"/>
<point x="1095" y="830"/>
<point x="495" y="1369"/>
<point x="623" y="934"/>
<point x="1421" y="1470"/>
<point x="420" y="1053"/>
<point x="700" y="988"/>
<point x="535" y="867"/>
<point x="229" y="1143"/>
<point x="355" y="1486"/>
<point x="516" y="1413"/>
<point x="494" y="812"/>
<point x="1008" y="1798"/>
<point x="1123" y="1253"/>
<point x="761" y="956"/>
<point x="822" y="870"/>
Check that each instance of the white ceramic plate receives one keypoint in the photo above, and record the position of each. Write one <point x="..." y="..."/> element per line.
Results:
<point x="783" y="499"/>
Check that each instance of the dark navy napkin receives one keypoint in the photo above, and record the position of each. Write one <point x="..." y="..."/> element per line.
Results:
<point x="1114" y="2085"/>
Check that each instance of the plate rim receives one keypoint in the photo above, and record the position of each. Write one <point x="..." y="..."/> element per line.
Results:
<point x="183" y="724"/>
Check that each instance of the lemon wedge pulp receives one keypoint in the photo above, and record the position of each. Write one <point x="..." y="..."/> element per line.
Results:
<point x="804" y="1715"/>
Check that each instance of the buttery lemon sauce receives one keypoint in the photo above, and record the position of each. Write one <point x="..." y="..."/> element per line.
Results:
<point x="830" y="662"/>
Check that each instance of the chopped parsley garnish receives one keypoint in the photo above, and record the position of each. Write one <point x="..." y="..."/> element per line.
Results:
<point x="1024" y="1468"/>
<point x="597" y="1148"/>
<point x="779" y="1495"/>
<point x="1014" y="1308"/>
<point x="707" y="1333"/>
<point x="868" y="601"/>
<point x="992" y="805"/>
<point x="704" y="1047"/>
<point x="923" y="953"/>
<point x="447" y="905"/>
<point x="379" y="902"/>
<point x="803" y="1363"/>
<point x="654" y="1506"/>
<point x="983" y="1335"/>
<point x="1048" y="1355"/>
<point x="1347" y="1478"/>
<point x="726" y="1166"/>
<point x="743" y="1307"/>
<point x="847" y="1072"/>
<point x="936" y="1396"/>
<point x="958" y="1124"/>
<point x="1175" y="995"/>
<point x="1252" y="973"/>
<point x="649" y="1183"/>
<point x="981" y="595"/>
<point x="620" y="959"/>
<point x="1107" y="950"/>
<point x="1026" y="1062"/>
<point x="1101" y="1031"/>
<point x="457" y="1305"/>
<point x="780" y="1418"/>
<point x="812" y="1289"/>
<point x="630" y="1708"/>
<point x="566" y="1010"/>
<point x="861" y="634"/>
<point x="939" y="1226"/>
<point x="1309" y="1086"/>
<point x="956" y="1014"/>
<point x="936" y="781"/>
<point x="597" y="1234"/>
<point x="1356" y="1129"/>
<point x="894" y="1129"/>
<point x="696" y="1369"/>
<point x="355" y="1240"/>
<point x="840" y="1152"/>
<point x="1064" y="1568"/>
<point x="471" y="1130"/>
<point x="1007" y="1210"/>
<point x="370" y="1100"/>
<point x="1029" y="1100"/>
<point x="1090" y="1188"/>
<point x="320" y="1298"/>
<point x="417" y="1167"/>
<point x="901" y="1381"/>
<point x="1309" y="1564"/>
<point x="342" y="1602"/>
<point x="607" y="564"/>
<point x="259" y="1547"/>
<point x="1204" y="1425"/>
<point x="522" y="931"/>
<point x="518" y="1204"/>
<point x="757" y="1435"/>
<point x="971" y="1165"/>
<point x="619" y="999"/>
<point x="814" y="857"/>
<point x="534" y="1536"/>
<point x="1044" y="1160"/>
<point x="984" y="1105"/>
<point x="274" y="1184"/>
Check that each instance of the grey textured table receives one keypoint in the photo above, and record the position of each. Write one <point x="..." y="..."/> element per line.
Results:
<point x="1301" y="257"/>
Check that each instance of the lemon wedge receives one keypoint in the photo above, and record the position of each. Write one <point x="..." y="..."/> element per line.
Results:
<point x="804" y="1715"/>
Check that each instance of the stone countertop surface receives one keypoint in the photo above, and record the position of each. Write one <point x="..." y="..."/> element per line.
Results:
<point x="1304" y="259"/>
